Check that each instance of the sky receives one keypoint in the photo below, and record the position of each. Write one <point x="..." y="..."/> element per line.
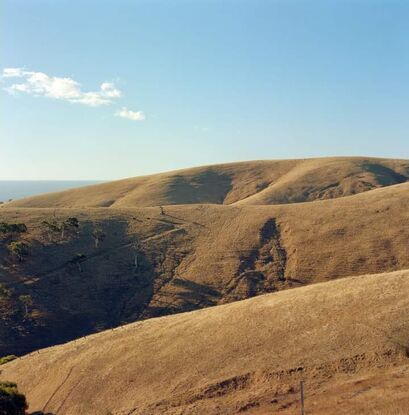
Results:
<point x="111" y="89"/>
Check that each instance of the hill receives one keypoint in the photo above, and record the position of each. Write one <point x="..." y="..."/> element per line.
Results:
<point x="190" y="257"/>
<point x="347" y="339"/>
<point x="250" y="183"/>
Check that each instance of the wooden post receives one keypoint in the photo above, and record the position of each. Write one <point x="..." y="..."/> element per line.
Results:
<point x="302" y="397"/>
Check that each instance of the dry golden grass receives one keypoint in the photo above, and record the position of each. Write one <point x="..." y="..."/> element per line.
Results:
<point x="347" y="339"/>
<point x="227" y="233"/>
<point x="251" y="183"/>
<point x="192" y="257"/>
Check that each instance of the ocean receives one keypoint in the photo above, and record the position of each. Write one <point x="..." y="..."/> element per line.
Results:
<point x="16" y="189"/>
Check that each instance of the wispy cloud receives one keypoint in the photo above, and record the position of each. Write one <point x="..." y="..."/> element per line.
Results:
<point x="67" y="89"/>
<point x="130" y="115"/>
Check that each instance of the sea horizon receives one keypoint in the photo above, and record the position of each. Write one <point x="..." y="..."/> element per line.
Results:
<point x="17" y="189"/>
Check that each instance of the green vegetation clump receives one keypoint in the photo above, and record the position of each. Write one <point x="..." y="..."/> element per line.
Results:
<point x="12" y="402"/>
<point x="11" y="229"/>
<point x="4" y="291"/>
<point x="18" y="249"/>
<point x="53" y="227"/>
<point x="27" y="302"/>
<point x="6" y="359"/>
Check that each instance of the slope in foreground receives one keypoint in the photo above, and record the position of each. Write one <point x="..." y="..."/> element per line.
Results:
<point x="245" y="357"/>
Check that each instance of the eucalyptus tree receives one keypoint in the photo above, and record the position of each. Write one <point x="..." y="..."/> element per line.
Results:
<point x="18" y="249"/>
<point x="99" y="235"/>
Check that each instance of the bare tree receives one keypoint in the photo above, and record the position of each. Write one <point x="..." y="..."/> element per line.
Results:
<point x="135" y="247"/>
<point x="98" y="235"/>
<point x="27" y="302"/>
<point x="78" y="260"/>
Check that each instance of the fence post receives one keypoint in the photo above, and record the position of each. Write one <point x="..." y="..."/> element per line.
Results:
<point x="302" y="397"/>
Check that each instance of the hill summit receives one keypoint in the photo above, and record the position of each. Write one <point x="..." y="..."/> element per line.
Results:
<point x="245" y="183"/>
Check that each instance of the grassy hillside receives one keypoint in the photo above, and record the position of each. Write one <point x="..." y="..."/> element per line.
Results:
<point x="251" y="183"/>
<point x="188" y="258"/>
<point x="347" y="339"/>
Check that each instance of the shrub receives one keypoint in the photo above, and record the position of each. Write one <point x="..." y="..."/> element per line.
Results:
<point x="19" y="249"/>
<point x="51" y="227"/>
<point x="73" y="222"/>
<point x="12" y="402"/>
<point x="59" y="228"/>
<point x="6" y="359"/>
<point x="4" y="291"/>
<point x="11" y="229"/>
<point x="69" y="224"/>
<point x="27" y="302"/>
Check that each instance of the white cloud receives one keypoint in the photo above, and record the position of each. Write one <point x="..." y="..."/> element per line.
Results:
<point x="41" y="84"/>
<point x="12" y="72"/>
<point x="110" y="91"/>
<point x="130" y="115"/>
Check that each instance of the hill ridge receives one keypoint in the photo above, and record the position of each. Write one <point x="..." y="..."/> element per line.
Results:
<point x="255" y="182"/>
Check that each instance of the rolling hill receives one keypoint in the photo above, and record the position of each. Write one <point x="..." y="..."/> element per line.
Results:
<point x="248" y="183"/>
<point x="180" y="255"/>
<point x="347" y="339"/>
<point x="190" y="257"/>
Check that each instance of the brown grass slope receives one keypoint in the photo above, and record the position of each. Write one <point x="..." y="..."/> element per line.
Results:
<point x="254" y="183"/>
<point x="349" y="336"/>
<point x="189" y="258"/>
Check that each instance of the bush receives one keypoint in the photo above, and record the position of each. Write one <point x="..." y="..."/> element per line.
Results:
<point x="18" y="249"/>
<point x="6" y="359"/>
<point x="4" y="291"/>
<point x="12" y="402"/>
<point x="12" y="227"/>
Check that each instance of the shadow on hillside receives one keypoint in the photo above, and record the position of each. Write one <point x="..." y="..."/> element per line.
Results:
<point x="206" y="187"/>
<point x="385" y="175"/>
<point x="195" y="288"/>
<point x="69" y="300"/>
<point x="76" y="288"/>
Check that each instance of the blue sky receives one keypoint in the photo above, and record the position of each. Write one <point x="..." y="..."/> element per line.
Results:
<point x="111" y="89"/>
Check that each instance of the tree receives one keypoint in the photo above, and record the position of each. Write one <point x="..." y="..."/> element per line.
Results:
<point x="27" y="302"/>
<point x="18" y="249"/>
<point x="98" y="235"/>
<point x="135" y="247"/>
<point x="52" y="228"/>
<point x="4" y="227"/>
<point x="73" y="222"/>
<point x="4" y="291"/>
<point x="69" y="225"/>
<point x="18" y="227"/>
<point x="78" y="260"/>
<point x="11" y="229"/>
<point x="12" y="402"/>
